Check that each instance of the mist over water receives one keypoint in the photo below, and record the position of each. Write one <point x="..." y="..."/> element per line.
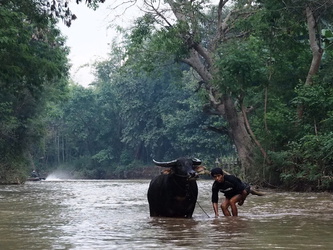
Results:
<point x="59" y="175"/>
<point x="88" y="214"/>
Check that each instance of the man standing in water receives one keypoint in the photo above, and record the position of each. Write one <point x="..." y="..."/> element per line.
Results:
<point x="235" y="191"/>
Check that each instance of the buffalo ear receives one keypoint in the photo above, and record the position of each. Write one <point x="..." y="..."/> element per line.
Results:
<point x="166" y="171"/>
<point x="201" y="170"/>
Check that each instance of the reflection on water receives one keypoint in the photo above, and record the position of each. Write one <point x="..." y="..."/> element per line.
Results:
<point x="114" y="215"/>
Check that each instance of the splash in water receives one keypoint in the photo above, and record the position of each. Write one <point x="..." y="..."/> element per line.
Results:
<point x="58" y="175"/>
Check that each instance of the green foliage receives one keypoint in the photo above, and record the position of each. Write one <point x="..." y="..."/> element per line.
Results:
<point x="59" y="9"/>
<point x="317" y="104"/>
<point x="146" y="104"/>
<point x="310" y="161"/>
<point x="264" y="71"/>
<point x="127" y="119"/>
<point x="33" y="67"/>
<point x="241" y="66"/>
<point x="142" y="30"/>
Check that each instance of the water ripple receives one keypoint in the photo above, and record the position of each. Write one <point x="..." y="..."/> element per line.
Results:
<point x="114" y="215"/>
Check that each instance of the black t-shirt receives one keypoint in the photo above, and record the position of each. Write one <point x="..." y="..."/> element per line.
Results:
<point x="230" y="187"/>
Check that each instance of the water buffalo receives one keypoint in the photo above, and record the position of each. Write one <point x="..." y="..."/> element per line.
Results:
<point x="174" y="193"/>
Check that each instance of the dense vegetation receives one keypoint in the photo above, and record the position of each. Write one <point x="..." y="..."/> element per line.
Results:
<point x="33" y="72"/>
<point x="125" y="121"/>
<point x="252" y="79"/>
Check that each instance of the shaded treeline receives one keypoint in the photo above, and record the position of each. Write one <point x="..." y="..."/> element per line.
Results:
<point x="264" y="68"/>
<point x="125" y="120"/>
<point x="33" y="73"/>
<point x="253" y="79"/>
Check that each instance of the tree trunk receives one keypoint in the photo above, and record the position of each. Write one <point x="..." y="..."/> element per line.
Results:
<point x="239" y="133"/>
<point x="317" y="51"/>
<point x="201" y="59"/>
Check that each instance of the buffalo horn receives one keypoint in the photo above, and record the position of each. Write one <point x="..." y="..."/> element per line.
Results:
<point x="165" y="164"/>
<point x="196" y="161"/>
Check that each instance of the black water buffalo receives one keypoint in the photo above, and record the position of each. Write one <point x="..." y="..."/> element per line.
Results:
<point x="174" y="194"/>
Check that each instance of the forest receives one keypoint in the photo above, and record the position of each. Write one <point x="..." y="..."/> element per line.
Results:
<point x="245" y="82"/>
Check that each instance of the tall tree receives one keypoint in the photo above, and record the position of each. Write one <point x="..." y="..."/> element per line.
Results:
<point x="227" y="47"/>
<point x="33" y="69"/>
<point x="195" y="38"/>
<point x="153" y="108"/>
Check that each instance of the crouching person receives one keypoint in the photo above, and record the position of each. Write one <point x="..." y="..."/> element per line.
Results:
<point x="235" y="192"/>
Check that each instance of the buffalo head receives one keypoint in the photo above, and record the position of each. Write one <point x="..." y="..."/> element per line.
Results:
<point x="182" y="167"/>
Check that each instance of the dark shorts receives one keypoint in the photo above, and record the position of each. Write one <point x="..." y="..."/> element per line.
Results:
<point x="247" y="187"/>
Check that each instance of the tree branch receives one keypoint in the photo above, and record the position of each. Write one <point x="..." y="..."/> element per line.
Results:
<point x="157" y="12"/>
<point x="248" y="127"/>
<point x="317" y="51"/>
<point x="195" y="62"/>
<point x="220" y="130"/>
<point x="221" y="24"/>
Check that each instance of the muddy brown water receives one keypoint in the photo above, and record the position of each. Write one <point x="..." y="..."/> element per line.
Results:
<point x="81" y="214"/>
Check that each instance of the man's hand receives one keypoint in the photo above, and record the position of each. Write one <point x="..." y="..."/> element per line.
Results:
<point x="244" y="194"/>
<point x="216" y="209"/>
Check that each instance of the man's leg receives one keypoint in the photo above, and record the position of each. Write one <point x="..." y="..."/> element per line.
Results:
<point x="224" y="206"/>
<point x="235" y="199"/>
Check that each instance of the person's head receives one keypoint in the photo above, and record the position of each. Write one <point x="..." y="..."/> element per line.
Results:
<point x="217" y="174"/>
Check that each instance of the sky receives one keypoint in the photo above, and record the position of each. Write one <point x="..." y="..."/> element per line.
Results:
<point x="89" y="37"/>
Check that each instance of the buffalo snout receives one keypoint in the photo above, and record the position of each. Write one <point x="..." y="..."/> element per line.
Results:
<point x="192" y="175"/>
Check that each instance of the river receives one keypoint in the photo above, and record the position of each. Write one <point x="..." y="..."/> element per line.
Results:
<point x="114" y="214"/>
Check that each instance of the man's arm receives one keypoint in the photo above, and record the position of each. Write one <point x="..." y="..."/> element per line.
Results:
<point x="216" y="209"/>
<point x="244" y="194"/>
<point x="215" y="199"/>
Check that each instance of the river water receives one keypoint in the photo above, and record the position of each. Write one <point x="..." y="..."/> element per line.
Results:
<point x="82" y="214"/>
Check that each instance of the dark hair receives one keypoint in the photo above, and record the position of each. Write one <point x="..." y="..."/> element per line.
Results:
<point x="216" y="171"/>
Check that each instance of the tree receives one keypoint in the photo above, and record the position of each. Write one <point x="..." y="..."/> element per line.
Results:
<point x="126" y="118"/>
<point x="159" y="115"/>
<point x="33" y="69"/>
<point x="195" y="38"/>
<point x="301" y="46"/>
<point x="237" y="49"/>
<point x="59" y="9"/>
